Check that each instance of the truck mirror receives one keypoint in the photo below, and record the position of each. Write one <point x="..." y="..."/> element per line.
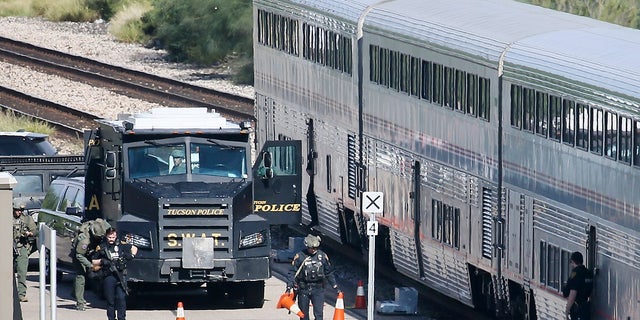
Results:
<point x="73" y="211"/>
<point x="110" y="174"/>
<point x="267" y="159"/>
<point x="110" y="160"/>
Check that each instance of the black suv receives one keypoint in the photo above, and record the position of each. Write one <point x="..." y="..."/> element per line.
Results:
<point x="23" y="143"/>
<point x="62" y="210"/>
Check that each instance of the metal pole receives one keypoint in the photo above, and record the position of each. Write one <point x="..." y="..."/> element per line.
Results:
<point x="372" y="264"/>
<point x="41" y="254"/>
<point x="53" y="264"/>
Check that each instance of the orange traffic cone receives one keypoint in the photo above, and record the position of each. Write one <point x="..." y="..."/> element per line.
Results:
<point x="338" y="314"/>
<point x="286" y="301"/>
<point x="361" y="300"/>
<point x="180" y="312"/>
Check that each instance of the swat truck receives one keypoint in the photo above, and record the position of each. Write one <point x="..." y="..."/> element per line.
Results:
<point x="178" y="183"/>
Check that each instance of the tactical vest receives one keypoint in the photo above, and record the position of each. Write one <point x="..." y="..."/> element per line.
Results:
<point x="313" y="269"/>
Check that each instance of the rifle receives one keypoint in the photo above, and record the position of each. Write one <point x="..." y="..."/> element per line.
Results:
<point x="114" y="268"/>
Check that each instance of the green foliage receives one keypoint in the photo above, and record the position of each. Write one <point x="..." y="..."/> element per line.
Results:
<point x="63" y="10"/>
<point x="127" y="25"/>
<point x="10" y="121"/>
<point x="21" y="8"/>
<point x="622" y="12"/>
<point x="106" y="8"/>
<point x="202" y="31"/>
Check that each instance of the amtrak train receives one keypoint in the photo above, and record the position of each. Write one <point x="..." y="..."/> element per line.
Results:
<point x="503" y="136"/>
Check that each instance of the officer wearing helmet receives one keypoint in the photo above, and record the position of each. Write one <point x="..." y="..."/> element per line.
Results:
<point x="179" y="166"/>
<point x="24" y="233"/>
<point x="309" y="270"/>
<point x="88" y="238"/>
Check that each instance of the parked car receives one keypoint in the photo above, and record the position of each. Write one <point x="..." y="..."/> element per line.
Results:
<point x="35" y="173"/>
<point x="62" y="210"/>
<point x="24" y="143"/>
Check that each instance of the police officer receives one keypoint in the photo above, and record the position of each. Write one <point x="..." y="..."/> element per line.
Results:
<point x="112" y="257"/>
<point x="24" y="233"/>
<point x="89" y="236"/>
<point x="309" y="270"/>
<point x="578" y="289"/>
<point x="179" y="166"/>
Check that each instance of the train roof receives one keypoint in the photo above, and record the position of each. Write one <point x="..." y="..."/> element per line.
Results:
<point x="581" y="49"/>
<point x="526" y="37"/>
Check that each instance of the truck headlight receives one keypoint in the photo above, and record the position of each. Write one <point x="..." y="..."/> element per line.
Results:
<point x="138" y="241"/>
<point x="253" y="240"/>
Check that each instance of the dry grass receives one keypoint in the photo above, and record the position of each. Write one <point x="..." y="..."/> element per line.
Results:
<point x="126" y="24"/>
<point x="11" y="122"/>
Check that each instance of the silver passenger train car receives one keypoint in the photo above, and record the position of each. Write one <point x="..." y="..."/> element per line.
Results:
<point x="504" y="136"/>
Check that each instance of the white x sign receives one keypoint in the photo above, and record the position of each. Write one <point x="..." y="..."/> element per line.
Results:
<point x="372" y="202"/>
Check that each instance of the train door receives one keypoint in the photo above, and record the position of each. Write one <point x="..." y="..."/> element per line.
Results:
<point x="265" y="118"/>
<point x="518" y="244"/>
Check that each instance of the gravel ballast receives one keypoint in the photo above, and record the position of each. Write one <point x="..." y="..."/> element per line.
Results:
<point x="92" y="40"/>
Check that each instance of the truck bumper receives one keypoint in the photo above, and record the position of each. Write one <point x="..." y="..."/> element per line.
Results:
<point x="170" y="270"/>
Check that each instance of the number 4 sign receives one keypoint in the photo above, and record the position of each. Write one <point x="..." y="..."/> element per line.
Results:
<point x="372" y="228"/>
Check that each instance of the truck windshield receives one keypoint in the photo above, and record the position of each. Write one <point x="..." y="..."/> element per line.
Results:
<point x="200" y="158"/>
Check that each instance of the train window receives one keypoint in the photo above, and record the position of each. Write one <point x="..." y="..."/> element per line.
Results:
<point x="394" y="70"/>
<point x="582" y="134"/>
<point x="426" y="77"/>
<point x="596" y="133"/>
<point x="516" y="106"/>
<point x="322" y="46"/>
<point x="484" y="91"/>
<point x="568" y="121"/>
<point x="542" y="113"/>
<point x="636" y="144"/>
<point x="415" y="76"/>
<point x="528" y="109"/>
<point x="543" y="262"/>
<point x="436" y="220"/>
<point x="555" y="116"/>
<point x="554" y="265"/>
<point x="331" y="49"/>
<point x="384" y="67"/>
<point x="449" y="87"/>
<point x="374" y="64"/>
<point x="346" y="52"/>
<point x="436" y="83"/>
<point x="405" y="72"/>
<point x="329" y="182"/>
<point x="472" y="94"/>
<point x="461" y="88"/>
<point x="611" y="137"/>
<point x="445" y="223"/>
<point x="624" y="153"/>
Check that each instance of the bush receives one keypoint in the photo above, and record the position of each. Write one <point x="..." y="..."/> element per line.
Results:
<point x="127" y="25"/>
<point x="64" y="10"/>
<point x="202" y="31"/>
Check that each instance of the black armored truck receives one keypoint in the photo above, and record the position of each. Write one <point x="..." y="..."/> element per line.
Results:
<point x="178" y="183"/>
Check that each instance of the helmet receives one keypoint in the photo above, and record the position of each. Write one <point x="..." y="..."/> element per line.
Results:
<point x="177" y="154"/>
<point x="99" y="227"/>
<point x="312" y="241"/>
<point x="18" y="205"/>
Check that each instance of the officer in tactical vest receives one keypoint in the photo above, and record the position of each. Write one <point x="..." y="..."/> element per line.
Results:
<point x="578" y="289"/>
<point x="88" y="238"/>
<point x="25" y="232"/>
<point x="309" y="270"/>
<point x="111" y="258"/>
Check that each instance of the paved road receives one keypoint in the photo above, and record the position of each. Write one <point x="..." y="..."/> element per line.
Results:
<point x="162" y="305"/>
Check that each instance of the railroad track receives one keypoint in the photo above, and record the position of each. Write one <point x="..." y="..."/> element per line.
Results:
<point x="134" y="84"/>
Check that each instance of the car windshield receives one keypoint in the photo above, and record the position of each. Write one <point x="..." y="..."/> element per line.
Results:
<point x="212" y="159"/>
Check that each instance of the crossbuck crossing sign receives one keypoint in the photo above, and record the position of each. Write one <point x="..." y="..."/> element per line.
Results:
<point x="372" y="202"/>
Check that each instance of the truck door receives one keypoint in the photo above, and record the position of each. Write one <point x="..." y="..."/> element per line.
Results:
<point x="277" y="182"/>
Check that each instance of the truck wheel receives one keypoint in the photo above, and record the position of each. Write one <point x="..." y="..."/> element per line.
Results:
<point x="254" y="294"/>
<point x="47" y="268"/>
